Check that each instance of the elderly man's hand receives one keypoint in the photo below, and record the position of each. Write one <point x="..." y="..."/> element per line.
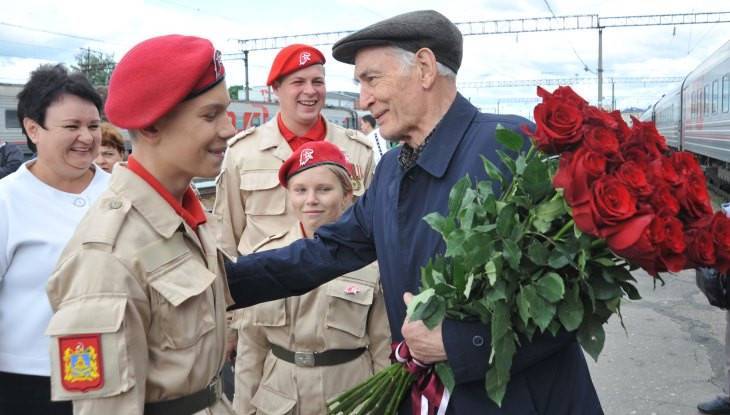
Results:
<point x="425" y="345"/>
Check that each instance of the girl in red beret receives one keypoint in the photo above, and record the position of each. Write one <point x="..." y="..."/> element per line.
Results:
<point x="297" y="353"/>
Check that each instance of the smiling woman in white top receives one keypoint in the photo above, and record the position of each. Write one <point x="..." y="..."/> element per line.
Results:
<point x="40" y="206"/>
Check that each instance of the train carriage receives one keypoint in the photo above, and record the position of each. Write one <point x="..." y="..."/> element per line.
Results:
<point x="696" y="116"/>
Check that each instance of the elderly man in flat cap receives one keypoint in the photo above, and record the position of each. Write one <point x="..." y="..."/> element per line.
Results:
<point x="406" y="67"/>
<point x="139" y="293"/>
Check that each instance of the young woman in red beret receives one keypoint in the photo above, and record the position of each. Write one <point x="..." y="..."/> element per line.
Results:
<point x="298" y="352"/>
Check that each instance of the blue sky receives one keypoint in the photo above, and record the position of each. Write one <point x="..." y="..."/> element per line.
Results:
<point x="30" y="34"/>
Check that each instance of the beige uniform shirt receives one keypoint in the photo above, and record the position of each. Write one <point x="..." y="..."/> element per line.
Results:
<point x="250" y="203"/>
<point x="345" y="313"/>
<point x="155" y="291"/>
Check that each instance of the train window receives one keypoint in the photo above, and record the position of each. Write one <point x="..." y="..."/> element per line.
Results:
<point x="715" y="96"/>
<point x="11" y="119"/>
<point x="706" y="95"/>
<point x="726" y="92"/>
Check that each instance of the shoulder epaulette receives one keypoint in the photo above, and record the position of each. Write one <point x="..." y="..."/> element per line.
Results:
<point x="238" y="137"/>
<point x="358" y="136"/>
<point x="104" y="221"/>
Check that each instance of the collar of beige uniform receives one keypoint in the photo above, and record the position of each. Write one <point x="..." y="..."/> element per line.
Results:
<point x="161" y="216"/>
<point x="272" y="138"/>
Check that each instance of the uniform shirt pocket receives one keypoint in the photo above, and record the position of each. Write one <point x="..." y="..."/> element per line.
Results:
<point x="269" y="402"/>
<point x="102" y="364"/>
<point x="270" y="314"/>
<point x="184" y="304"/>
<point x="266" y="196"/>
<point x="349" y="302"/>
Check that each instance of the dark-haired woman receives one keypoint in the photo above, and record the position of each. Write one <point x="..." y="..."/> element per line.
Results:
<point x="40" y="206"/>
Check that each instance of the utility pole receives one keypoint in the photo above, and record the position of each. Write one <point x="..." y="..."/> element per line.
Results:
<point x="613" y="95"/>
<point x="600" y="66"/>
<point x="245" y="70"/>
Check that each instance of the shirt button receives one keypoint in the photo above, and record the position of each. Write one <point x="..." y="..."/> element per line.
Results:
<point x="115" y="204"/>
<point x="477" y="341"/>
<point x="79" y="202"/>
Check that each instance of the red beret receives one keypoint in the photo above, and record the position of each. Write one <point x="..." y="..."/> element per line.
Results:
<point x="159" y="73"/>
<point x="313" y="154"/>
<point x="293" y="58"/>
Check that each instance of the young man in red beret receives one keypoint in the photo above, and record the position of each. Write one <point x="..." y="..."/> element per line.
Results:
<point x="139" y="293"/>
<point x="249" y="200"/>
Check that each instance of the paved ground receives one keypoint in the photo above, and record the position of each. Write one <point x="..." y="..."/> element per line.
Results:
<point x="672" y="357"/>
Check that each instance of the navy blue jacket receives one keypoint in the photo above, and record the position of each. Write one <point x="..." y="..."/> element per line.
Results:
<point x="549" y="375"/>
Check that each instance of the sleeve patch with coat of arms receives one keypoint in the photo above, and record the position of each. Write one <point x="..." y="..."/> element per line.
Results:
<point x="81" y="362"/>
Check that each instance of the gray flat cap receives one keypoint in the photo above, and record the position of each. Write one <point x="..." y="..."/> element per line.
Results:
<point x="410" y="31"/>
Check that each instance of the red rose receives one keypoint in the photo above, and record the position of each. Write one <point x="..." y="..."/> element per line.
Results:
<point x="613" y="201"/>
<point x="558" y="126"/>
<point x="632" y="175"/>
<point x="601" y="140"/>
<point x="645" y="132"/>
<point x="576" y="173"/>
<point x="611" y="204"/>
<point x="720" y="229"/>
<point x="685" y="163"/>
<point x="598" y="117"/>
<point x="695" y="199"/>
<point x="623" y="131"/>
<point x="632" y="240"/>
<point x="662" y="170"/>
<point x="564" y="93"/>
<point x="635" y="152"/>
<point x="701" y="247"/>
<point x="663" y="202"/>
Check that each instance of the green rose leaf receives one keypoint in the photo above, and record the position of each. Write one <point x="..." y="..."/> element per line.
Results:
<point x="570" y="310"/>
<point x="509" y="138"/>
<point x="441" y="224"/>
<point x="437" y="315"/>
<point x="630" y="290"/>
<point x="419" y="304"/>
<point x="491" y="270"/>
<point x="537" y="253"/>
<point x="592" y="337"/>
<point x="512" y="253"/>
<point x="550" y="287"/>
<point x="446" y="375"/>
<point x="508" y="162"/>
<point x="536" y="180"/>
<point x="492" y="171"/>
<point x="604" y="290"/>
<point x="456" y="195"/>
<point x="541" y="311"/>
<point x="520" y="165"/>
<point x="469" y="284"/>
<point x="558" y="259"/>
<point x="506" y="221"/>
<point x="523" y="306"/>
<point x="503" y="349"/>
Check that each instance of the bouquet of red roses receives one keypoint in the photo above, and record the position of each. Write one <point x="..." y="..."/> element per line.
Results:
<point x="625" y="186"/>
<point x="554" y="250"/>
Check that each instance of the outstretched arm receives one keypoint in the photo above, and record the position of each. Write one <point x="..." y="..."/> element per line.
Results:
<point x="336" y="249"/>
